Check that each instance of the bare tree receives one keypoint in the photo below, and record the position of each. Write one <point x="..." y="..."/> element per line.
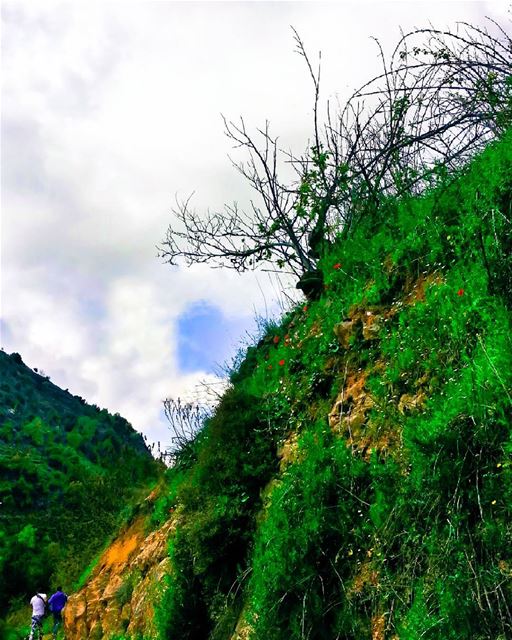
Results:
<point x="440" y="99"/>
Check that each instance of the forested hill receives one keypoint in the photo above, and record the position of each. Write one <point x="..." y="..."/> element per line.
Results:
<point x="27" y="393"/>
<point x="67" y="470"/>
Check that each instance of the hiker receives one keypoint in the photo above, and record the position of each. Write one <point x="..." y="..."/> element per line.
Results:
<point x="38" y="603"/>
<point x="57" y="602"/>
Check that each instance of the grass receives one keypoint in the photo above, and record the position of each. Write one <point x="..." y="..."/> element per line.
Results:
<point x="393" y="516"/>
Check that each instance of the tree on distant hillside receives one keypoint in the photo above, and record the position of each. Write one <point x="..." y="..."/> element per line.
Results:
<point x="441" y="97"/>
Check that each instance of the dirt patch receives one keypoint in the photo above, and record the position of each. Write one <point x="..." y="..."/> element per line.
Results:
<point x="367" y="576"/>
<point x="415" y="291"/>
<point x="288" y="452"/>
<point x="120" y="551"/>
<point x="379" y="627"/>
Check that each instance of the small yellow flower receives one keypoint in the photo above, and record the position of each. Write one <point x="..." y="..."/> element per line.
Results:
<point x="493" y="502"/>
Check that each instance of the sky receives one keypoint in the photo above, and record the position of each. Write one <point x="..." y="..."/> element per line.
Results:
<point x="112" y="109"/>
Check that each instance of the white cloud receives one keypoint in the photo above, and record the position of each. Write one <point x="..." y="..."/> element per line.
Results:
<point x="108" y="111"/>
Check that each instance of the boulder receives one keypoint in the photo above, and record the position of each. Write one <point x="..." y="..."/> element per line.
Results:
<point x="311" y="284"/>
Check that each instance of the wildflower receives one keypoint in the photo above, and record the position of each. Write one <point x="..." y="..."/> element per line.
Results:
<point x="493" y="502"/>
<point x="337" y="266"/>
<point x="276" y="339"/>
<point x="460" y="292"/>
<point x="305" y="308"/>
<point x="282" y="363"/>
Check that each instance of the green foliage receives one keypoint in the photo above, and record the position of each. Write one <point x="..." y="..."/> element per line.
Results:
<point x="86" y="573"/>
<point x="308" y="528"/>
<point x="125" y="590"/>
<point x="394" y="520"/>
<point x="217" y="501"/>
<point x="27" y="537"/>
<point x="402" y="526"/>
<point x="62" y="489"/>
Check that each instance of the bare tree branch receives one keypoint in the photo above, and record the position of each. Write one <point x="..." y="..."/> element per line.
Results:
<point x="185" y="421"/>
<point x="440" y="98"/>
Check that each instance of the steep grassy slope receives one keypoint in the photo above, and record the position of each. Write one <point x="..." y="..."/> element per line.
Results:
<point x="356" y="480"/>
<point x="67" y="471"/>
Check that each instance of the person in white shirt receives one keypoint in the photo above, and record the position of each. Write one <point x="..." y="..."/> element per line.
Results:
<point x="38" y="603"/>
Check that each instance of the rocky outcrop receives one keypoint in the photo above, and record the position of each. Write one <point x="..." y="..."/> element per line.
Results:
<point x="123" y="590"/>
<point x="350" y="416"/>
<point x="372" y="325"/>
<point x="344" y="331"/>
<point x="369" y="323"/>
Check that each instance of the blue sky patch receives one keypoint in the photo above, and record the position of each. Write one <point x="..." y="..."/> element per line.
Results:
<point x="207" y="339"/>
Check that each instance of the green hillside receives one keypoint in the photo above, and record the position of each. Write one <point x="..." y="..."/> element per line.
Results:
<point x="67" y="471"/>
<point x="355" y="481"/>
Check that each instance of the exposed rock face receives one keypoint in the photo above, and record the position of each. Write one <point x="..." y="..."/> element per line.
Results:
<point x="370" y="322"/>
<point x="372" y="325"/>
<point x="410" y="403"/>
<point x="289" y="451"/>
<point x="350" y="416"/>
<point x="343" y="331"/>
<point x="124" y="588"/>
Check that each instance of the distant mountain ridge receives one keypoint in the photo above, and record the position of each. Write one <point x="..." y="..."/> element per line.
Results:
<point x="26" y="393"/>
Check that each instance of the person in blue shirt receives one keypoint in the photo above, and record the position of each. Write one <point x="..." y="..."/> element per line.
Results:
<point x="56" y="603"/>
